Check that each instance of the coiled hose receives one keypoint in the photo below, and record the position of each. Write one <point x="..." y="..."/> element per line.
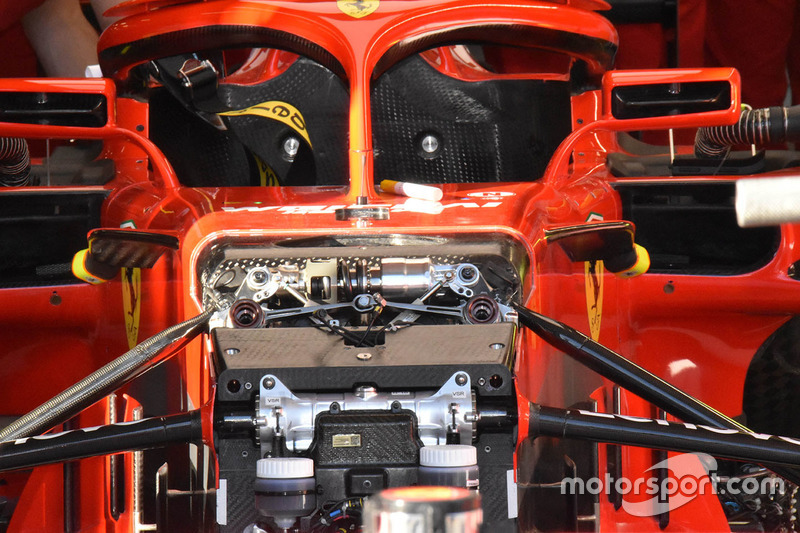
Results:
<point x="15" y="162"/>
<point x="101" y="382"/>
<point x="755" y="126"/>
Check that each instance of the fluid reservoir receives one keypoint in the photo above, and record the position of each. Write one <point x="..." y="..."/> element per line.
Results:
<point x="453" y="465"/>
<point x="285" y="489"/>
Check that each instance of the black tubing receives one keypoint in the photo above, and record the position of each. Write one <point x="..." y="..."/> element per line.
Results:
<point x="101" y="440"/>
<point x="632" y="377"/>
<point x="662" y="435"/>
<point x="755" y="126"/>
<point x="15" y="162"/>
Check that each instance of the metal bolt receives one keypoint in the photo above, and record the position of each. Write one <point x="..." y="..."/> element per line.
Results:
<point x="363" y="356"/>
<point x="461" y="380"/>
<point x="268" y="383"/>
<point x="291" y="146"/>
<point x="472" y="417"/>
<point x="259" y="276"/>
<point x="467" y="274"/>
<point x="430" y="144"/>
<point x="481" y="381"/>
<point x="248" y="386"/>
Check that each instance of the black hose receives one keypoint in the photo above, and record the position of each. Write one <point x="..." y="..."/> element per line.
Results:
<point x="15" y="162"/>
<point x="662" y="435"/>
<point x="101" y="440"/>
<point x="755" y="126"/>
<point x="632" y="377"/>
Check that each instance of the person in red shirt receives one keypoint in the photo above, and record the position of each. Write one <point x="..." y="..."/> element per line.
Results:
<point x="757" y="37"/>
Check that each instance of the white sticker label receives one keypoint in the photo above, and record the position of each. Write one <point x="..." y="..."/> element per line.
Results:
<point x="491" y="194"/>
<point x="512" y="494"/>
<point x="222" y="502"/>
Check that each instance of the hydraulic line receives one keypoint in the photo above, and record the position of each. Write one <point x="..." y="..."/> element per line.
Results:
<point x="101" y="440"/>
<point x="632" y="377"/>
<point x="103" y="381"/>
<point x="755" y="126"/>
<point x="15" y="162"/>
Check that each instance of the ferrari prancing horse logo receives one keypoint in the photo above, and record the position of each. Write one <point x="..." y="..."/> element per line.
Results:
<point x="593" y="271"/>
<point x="357" y="8"/>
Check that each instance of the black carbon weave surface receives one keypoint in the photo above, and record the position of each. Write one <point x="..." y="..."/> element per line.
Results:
<point x="499" y="130"/>
<point x="386" y="439"/>
<point x="772" y="385"/>
<point x="322" y="99"/>
<point x="307" y="359"/>
<point x="494" y="463"/>
<point x="201" y="155"/>
<point x="416" y="358"/>
<point x="238" y="467"/>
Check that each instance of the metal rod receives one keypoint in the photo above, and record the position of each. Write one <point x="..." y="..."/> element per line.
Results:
<point x="103" y="381"/>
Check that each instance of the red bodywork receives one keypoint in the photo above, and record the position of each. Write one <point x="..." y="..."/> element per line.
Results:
<point x="698" y="332"/>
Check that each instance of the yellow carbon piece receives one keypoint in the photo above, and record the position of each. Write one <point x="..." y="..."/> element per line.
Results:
<point x="641" y="265"/>
<point x="79" y="269"/>
<point x="276" y="110"/>
<point x="267" y="176"/>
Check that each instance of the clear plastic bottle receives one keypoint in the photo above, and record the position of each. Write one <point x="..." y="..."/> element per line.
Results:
<point x="452" y="465"/>
<point x="285" y="490"/>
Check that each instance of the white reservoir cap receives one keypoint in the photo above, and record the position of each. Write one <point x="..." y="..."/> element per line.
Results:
<point x="448" y="455"/>
<point x="285" y="468"/>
